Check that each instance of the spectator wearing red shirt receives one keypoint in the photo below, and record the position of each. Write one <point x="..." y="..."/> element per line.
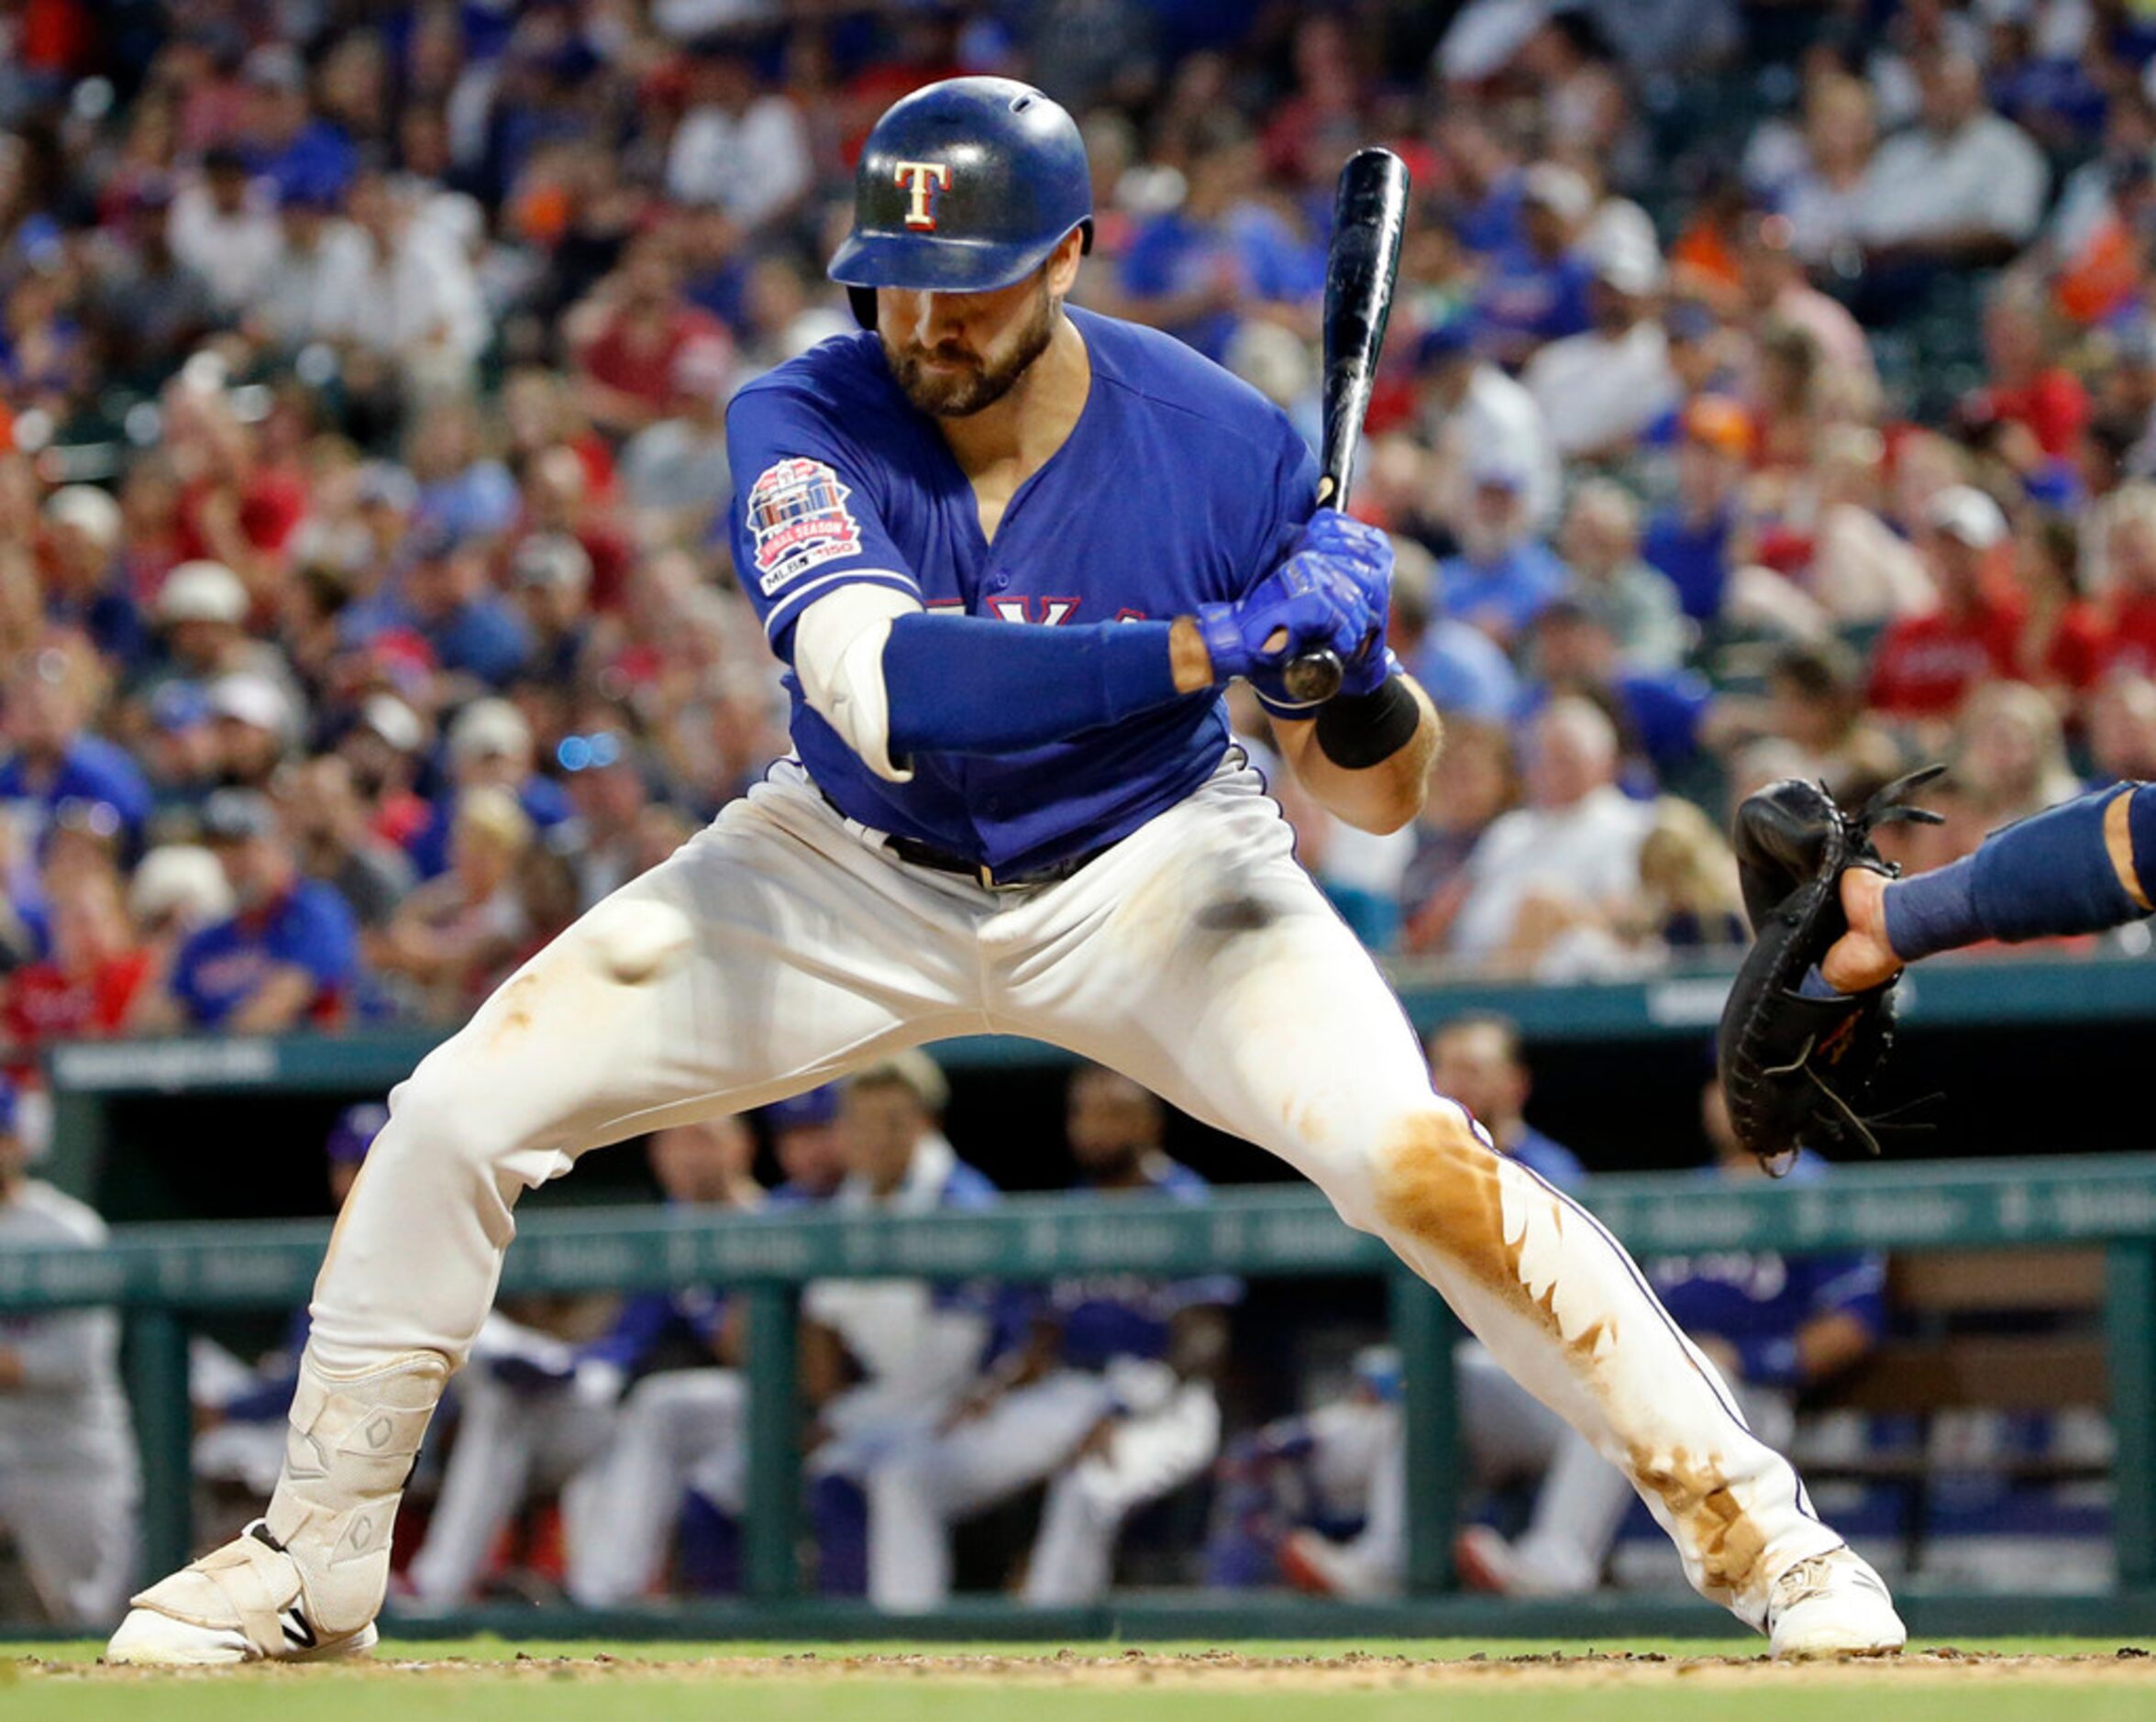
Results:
<point x="633" y="334"/>
<point x="2066" y="640"/>
<point x="2025" y="388"/>
<point x="233" y="507"/>
<point x="557" y="499"/>
<point x="1924" y="666"/>
<point x="2129" y="557"/>
<point x="86" y="988"/>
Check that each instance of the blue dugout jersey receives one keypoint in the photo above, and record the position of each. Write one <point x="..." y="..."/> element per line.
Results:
<point x="1178" y="486"/>
<point x="1548" y="1158"/>
<point x="1108" y="1316"/>
<point x="1757" y="1301"/>
<point x="694" y="1313"/>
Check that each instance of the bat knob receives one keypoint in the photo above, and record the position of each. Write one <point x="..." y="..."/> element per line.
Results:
<point x="1315" y="676"/>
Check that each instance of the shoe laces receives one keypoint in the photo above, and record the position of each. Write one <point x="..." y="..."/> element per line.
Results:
<point x="1810" y="1577"/>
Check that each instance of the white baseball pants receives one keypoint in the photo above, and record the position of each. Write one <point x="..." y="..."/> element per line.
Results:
<point x="678" y="1430"/>
<point x="1030" y="1433"/>
<point x="784" y="945"/>
<point x="75" y="1529"/>
<point x="509" y="1443"/>
<point x="1582" y="1499"/>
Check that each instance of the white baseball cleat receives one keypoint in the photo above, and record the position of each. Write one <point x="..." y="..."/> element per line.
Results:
<point x="243" y="1603"/>
<point x="1486" y="1561"/>
<point x="1832" y="1605"/>
<point x="1317" y="1565"/>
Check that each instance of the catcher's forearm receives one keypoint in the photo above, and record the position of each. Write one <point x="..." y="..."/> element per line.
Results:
<point x="2076" y="867"/>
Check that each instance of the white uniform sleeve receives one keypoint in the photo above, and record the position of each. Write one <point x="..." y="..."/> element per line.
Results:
<point x="838" y="655"/>
<point x="64" y="1353"/>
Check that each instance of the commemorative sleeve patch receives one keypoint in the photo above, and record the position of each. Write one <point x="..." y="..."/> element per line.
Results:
<point x="798" y="516"/>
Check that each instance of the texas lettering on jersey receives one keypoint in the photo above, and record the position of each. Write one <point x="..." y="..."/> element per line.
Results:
<point x="844" y="483"/>
<point x="1046" y="611"/>
<point x="798" y="516"/>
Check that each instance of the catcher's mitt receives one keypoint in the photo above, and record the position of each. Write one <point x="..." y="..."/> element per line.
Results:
<point x="1793" y="1067"/>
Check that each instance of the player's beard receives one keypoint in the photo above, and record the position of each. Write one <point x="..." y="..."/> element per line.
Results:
<point x="961" y="392"/>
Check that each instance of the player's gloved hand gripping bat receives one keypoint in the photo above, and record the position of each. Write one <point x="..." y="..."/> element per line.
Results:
<point x="1368" y="217"/>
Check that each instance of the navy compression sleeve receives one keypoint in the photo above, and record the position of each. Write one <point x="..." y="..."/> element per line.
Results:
<point x="968" y="685"/>
<point x="2075" y="867"/>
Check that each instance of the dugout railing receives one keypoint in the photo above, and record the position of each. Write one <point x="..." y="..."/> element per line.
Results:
<point x="164" y="1276"/>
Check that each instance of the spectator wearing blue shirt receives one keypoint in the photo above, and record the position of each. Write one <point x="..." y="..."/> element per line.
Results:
<point x="1699" y="540"/>
<point x="475" y="633"/>
<point x="1111" y="1401"/>
<point x="1464" y="672"/>
<point x="1772" y="1325"/>
<point x="282" y="139"/>
<point x="287" y="958"/>
<point x="1502" y="576"/>
<point x="489" y="745"/>
<point x="460" y="489"/>
<point x="1488" y="182"/>
<point x="1198" y="269"/>
<point x="1575" y="650"/>
<point x="52" y="759"/>
<point x="1534" y="285"/>
<point x="85" y="587"/>
<point x="1479" y="1061"/>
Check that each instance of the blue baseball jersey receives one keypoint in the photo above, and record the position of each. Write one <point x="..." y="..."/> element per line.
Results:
<point x="1179" y="485"/>
<point x="219" y="968"/>
<point x="694" y="1313"/>
<point x="1107" y="1316"/>
<point x="1548" y="1158"/>
<point x="1758" y="1301"/>
<point x="93" y="769"/>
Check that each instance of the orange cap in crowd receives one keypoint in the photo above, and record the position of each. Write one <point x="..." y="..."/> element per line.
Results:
<point x="1721" y="423"/>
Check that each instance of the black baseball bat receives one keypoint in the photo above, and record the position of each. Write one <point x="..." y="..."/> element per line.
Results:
<point x="1368" y="217"/>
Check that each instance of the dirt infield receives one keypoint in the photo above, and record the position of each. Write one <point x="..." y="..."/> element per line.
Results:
<point x="1215" y="1671"/>
<point x="1672" y="1681"/>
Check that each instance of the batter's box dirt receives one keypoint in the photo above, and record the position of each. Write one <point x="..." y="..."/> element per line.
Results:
<point x="1214" y="1670"/>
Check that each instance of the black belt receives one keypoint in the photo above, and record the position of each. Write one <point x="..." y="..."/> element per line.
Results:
<point x="926" y="854"/>
<point x="914" y="852"/>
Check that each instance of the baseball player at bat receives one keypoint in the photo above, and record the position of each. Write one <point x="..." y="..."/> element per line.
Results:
<point x="1011" y="553"/>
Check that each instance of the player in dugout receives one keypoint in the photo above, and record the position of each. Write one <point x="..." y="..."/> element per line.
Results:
<point x="1012" y="552"/>
<point x="69" y="1482"/>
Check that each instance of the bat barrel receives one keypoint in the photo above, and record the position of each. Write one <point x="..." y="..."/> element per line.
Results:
<point x="1369" y="217"/>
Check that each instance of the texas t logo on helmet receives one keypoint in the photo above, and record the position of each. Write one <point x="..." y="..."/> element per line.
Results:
<point x="965" y="187"/>
<point x="922" y="181"/>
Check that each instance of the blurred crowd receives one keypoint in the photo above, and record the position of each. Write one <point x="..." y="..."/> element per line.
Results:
<point x="1770" y="391"/>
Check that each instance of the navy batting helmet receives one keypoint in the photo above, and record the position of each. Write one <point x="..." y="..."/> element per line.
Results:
<point x="963" y="187"/>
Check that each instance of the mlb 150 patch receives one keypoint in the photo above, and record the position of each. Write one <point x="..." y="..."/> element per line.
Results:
<point x="797" y="512"/>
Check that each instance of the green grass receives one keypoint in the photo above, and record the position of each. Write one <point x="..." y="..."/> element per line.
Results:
<point x="60" y="1684"/>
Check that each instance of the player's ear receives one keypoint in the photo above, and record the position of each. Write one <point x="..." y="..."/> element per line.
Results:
<point x="1063" y="262"/>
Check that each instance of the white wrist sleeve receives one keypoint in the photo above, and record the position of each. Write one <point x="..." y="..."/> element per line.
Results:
<point x="838" y="655"/>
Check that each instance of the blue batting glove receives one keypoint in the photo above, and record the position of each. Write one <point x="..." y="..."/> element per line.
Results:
<point x="1331" y="532"/>
<point x="1361" y="555"/>
<point x="1308" y="604"/>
